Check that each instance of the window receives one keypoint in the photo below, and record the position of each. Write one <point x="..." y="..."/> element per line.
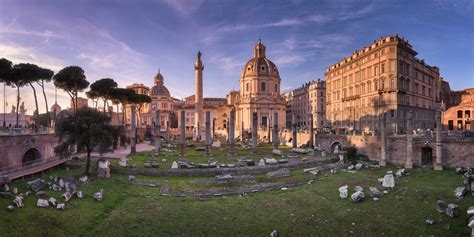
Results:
<point x="416" y="88"/>
<point x="392" y="84"/>
<point x="263" y="86"/>
<point x="368" y="86"/>
<point x="423" y="90"/>
<point x="459" y="113"/>
<point x="376" y="85"/>
<point x="247" y="87"/>
<point x="376" y="70"/>
<point x="459" y="125"/>
<point x="383" y="84"/>
<point x="368" y="71"/>
<point x="383" y="68"/>
<point x="467" y="114"/>
<point x="276" y="87"/>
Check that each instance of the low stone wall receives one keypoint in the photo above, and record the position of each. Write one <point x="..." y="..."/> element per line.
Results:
<point x="248" y="170"/>
<point x="13" y="148"/>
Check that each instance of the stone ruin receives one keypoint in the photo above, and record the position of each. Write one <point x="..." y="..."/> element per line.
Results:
<point x="103" y="168"/>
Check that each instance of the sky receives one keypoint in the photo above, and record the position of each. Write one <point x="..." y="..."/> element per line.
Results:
<point x="130" y="41"/>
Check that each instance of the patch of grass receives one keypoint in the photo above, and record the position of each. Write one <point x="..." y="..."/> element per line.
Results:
<point x="307" y="210"/>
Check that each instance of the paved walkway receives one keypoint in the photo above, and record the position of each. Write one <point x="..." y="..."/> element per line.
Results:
<point x="35" y="169"/>
<point x="124" y="152"/>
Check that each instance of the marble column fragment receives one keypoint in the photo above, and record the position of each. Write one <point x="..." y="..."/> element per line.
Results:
<point x="275" y="137"/>
<point x="157" y="132"/>
<point x="133" y="131"/>
<point x="254" y="132"/>
<point x="208" y="133"/>
<point x="438" y="163"/>
<point x="232" y="133"/>
<point x="383" y="131"/>
<point x="182" y="138"/>
<point x="409" y="145"/>
<point x="294" y="143"/>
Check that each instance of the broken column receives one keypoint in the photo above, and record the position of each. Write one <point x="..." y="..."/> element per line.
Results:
<point x="383" y="131"/>
<point x="157" y="132"/>
<point x="208" y="133"/>
<point x="311" y="132"/>
<point x="103" y="169"/>
<point x="438" y="163"/>
<point x="254" y="132"/>
<point x="275" y="137"/>
<point x="293" y="126"/>
<point x="409" y="161"/>
<point x="232" y="133"/>
<point x="242" y="132"/>
<point x="133" y="131"/>
<point x="182" y="143"/>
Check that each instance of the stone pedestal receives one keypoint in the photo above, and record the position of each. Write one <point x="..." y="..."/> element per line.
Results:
<point x="409" y="144"/>
<point x="254" y="132"/>
<point x="294" y="143"/>
<point x="133" y="131"/>
<point x="208" y="134"/>
<point x="182" y="138"/>
<point x="275" y="138"/>
<point x="232" y="134"/>
<point x="103" y="169"/>
<point x="157" y="132"/>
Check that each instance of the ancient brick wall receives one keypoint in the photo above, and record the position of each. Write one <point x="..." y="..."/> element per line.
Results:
<point x="13" y="148"/>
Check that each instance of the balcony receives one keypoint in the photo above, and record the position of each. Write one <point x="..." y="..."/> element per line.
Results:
<point x="354" y="97"/>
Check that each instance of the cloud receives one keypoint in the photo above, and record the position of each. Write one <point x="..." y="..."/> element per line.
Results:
<point x="228" y="64"/>
<point x="20" y="54"/>
<point x="184" y="7"/>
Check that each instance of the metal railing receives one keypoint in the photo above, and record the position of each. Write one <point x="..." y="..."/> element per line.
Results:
<point x="14" y="168"/>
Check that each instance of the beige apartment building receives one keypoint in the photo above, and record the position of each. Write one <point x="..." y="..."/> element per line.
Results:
<point x="307" y="100"/>
<point x="382" y="77"/>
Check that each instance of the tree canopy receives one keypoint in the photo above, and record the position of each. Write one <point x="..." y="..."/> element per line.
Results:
<point x="72" y="80"/>
<point x="88" y="128"/>
<point x="103" y="88"/>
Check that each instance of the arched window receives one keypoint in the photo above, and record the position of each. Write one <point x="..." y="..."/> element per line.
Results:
<point x="392" y="84"/>
<point x="247" y="87"/>
<point x="369" y="86"/>
<point x="376" y="85"/>
<point x="383" y="84"/>
<point x="263" y="86"/>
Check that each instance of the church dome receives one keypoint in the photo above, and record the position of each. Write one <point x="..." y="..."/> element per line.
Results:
<point x="55" y="108"/>
<point x="259" y="64"/>
<point x="159" y="89"/>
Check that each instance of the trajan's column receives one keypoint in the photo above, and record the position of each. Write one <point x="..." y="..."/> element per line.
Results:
<point x="199" y="101"/>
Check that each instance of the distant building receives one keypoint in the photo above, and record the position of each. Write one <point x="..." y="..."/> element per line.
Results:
<point x="81" y="103"/>
<point x="9" y="119"/>
<point x="459" y="112"/>
<point x="307" y="100"/>
<point x="141" y="110"/>
<point x="160" y="100"/>
<point x="384" y="77"/>
<point x="259" y="92"/>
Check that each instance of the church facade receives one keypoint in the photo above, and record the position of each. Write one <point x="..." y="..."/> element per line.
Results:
<point x="260" y="92"/>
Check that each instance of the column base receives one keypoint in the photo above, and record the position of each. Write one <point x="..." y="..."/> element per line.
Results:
<point x="437" y="167"/>
<point x="408" y="165"/>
